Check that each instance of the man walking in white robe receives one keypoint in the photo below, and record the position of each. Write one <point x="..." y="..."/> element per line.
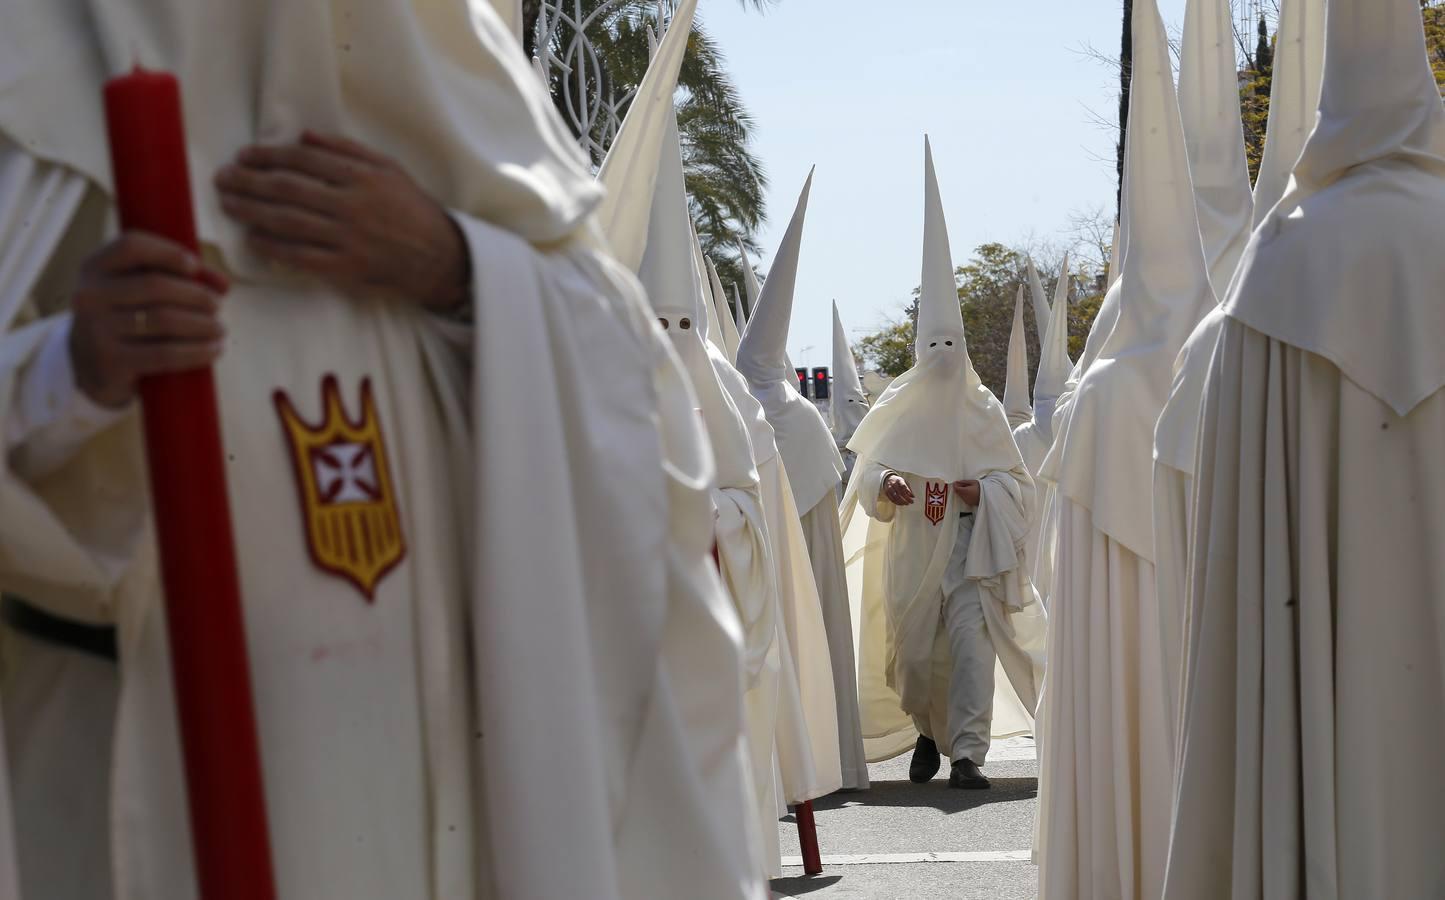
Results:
<point x="941" y="586"/>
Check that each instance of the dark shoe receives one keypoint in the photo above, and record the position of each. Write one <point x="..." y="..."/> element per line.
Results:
<point x="966" y="776"/>
<point x="926" y="761"/>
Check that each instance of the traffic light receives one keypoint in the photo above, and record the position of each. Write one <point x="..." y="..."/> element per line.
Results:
<point x="820" y="384"/>
<point x="802" y="381"/>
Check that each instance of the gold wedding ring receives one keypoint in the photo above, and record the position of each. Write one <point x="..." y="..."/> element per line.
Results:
<point x="141" y="322"/>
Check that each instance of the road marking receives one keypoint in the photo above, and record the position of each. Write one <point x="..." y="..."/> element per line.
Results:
<point x="893" y="859"/>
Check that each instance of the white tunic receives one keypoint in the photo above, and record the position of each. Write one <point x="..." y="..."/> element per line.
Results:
<point x="825" y="550"/>
<point x="897" y="561"/>
<point x="342" y="670"/>
<point x="1104" y="762"/>
<point x="1315" y="636"/>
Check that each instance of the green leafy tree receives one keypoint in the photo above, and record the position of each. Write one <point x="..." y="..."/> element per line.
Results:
<point x="1263" y="48"/>
<point x="1434" y="15"/>
<point x="1255" y="83"/>
<point x="889" y="350"/>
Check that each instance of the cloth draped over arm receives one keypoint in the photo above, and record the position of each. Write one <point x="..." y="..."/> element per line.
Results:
<point x="57" y="543"/>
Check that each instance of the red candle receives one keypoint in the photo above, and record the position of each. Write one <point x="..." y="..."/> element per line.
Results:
<point x="209" y="665"/>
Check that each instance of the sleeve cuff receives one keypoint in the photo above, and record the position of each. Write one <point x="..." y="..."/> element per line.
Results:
<point x="52" y="410"/>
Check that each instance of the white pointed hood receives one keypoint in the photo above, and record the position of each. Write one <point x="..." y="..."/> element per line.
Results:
<point x="937" y="420"/>
<point x="1054" y="362"/>
<point x="763" y="353"/>
<point x="630" y="171"/>
<point x="1103" y="456"/>
<point x="1294" y="100"/>
<point x="1349" y="264"/>
<point x="675" y="288"/>
<point x="742" y="314"/>
<point x="1167" y="289"/>
<point x="849" y="403"/>
<point x="810" y="454"/>
<point x="666" y="265"/>
<point x="1298" y="68"/>
<point x="1214" y="137"/>
<point x="750" y="280"/>
<point x="710" y="326"/>
<point x="750" y="284"/>
<point x="1111" y="274"/>
<point x="940" y="317"/>
<point x="730" y="336"/>
<point x="1039" y="297"/>
<point x="1016" y="403"/>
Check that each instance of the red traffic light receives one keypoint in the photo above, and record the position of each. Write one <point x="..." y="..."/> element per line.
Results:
<point x="821" y="384"/>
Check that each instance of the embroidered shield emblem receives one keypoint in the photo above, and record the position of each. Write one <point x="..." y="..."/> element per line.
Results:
<point x="348" y="499"/>
<point x="935" y="501"/>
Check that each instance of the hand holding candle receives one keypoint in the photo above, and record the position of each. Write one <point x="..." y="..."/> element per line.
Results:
<point x="144" y="306"/>
<point x="209" y="661"/>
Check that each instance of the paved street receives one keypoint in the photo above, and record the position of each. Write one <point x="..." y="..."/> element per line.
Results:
<point x="902" y="841"/>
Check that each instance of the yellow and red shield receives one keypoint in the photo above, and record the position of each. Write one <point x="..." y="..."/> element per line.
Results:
<point x="348" y="498"/>
<point x="935" y="501"/>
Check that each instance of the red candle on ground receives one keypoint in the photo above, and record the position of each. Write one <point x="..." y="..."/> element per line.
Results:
<point x="209" y="664"/>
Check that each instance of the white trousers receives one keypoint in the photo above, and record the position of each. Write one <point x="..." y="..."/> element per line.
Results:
<point x="964" y="660"/>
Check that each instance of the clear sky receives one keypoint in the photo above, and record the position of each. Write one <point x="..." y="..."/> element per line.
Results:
<point x="1004" y="90"/>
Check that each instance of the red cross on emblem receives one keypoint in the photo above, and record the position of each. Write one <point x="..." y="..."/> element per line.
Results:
<point x="935" y="501"/>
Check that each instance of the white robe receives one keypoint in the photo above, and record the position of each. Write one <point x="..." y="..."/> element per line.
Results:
<point x="1104" y="782"/>
<point x="60" y="705"/>
<point x="807" y="725"/>
<point x="1310" y="749"/>
<point x="385" y="686"/>
<point x="895" y="585"/>
<point x="746" y="564"/>
<point x="807" y="718"/>
<point x="639" y="649"/>
<point x="825" y="550"/>
<point x="95" y="562"/>
<point x="1043" y="520"/>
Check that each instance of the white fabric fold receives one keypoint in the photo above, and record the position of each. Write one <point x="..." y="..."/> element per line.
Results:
<point x="726" y="326"/>
<point x="440" y="87"/>
<point x="1103" y="454"/>
<point x="1209" y="105"/>
<point x="849" y="403"/>
<point x="811" y="455"/>
<point x="1038" y="296"/>
<point x="1017" y="404"/>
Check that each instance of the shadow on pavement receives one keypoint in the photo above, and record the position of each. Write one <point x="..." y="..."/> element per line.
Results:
<point x="934" y="795"/>
<point x="804" y="884"/>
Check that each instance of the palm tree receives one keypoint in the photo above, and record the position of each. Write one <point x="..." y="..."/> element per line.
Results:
<point x="726" y="181"/>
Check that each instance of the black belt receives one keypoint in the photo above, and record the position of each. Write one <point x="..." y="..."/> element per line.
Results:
<point x="964" y="515"/>
<point x="96" y="640"/>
